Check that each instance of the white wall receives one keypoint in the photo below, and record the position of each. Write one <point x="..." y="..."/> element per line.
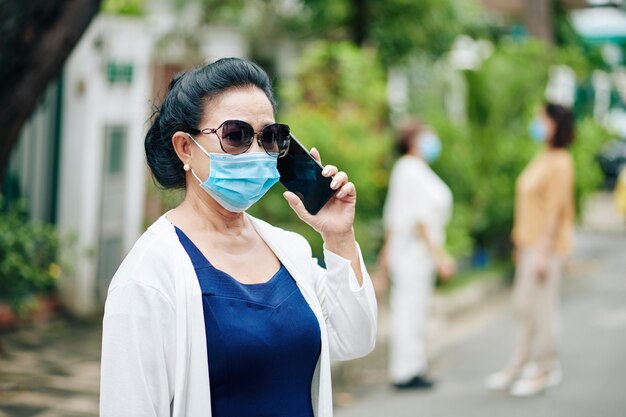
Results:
<point x="91" y="103"/>
<point x="221" y="42"/>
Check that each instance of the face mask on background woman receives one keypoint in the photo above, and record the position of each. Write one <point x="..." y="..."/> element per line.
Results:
<point x="537" y="130"/>
<point x="429" y="146"/>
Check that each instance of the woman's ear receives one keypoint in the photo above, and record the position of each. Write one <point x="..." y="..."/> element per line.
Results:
<point x="181" y="141"/>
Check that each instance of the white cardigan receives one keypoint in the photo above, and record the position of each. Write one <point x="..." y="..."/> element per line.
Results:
<point x="154" y="353"/>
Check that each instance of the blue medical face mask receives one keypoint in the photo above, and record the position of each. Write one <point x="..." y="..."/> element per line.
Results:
<point x="429" y="146"/>
<point x="239" y="181"/>
<point x="537" y="130"/>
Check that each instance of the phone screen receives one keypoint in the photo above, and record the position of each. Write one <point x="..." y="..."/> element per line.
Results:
<point x="302" y="175"/>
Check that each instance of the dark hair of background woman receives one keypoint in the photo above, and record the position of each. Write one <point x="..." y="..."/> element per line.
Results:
<point x="406" y="136"/>
<point x="563" y="119"/>
<point x="183" y="110"/>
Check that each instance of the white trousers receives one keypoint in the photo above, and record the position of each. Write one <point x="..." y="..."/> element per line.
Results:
<point x="412" y="275"/>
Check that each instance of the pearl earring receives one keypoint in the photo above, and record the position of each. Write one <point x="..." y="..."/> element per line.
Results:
<point x="186" y="167"/>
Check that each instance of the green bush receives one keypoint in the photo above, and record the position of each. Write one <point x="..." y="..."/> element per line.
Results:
<point x="28" y="259"/>
<point x="124" y="7"/>
<point x="590" y="137"/>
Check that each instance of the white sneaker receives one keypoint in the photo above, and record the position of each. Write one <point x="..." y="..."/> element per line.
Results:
<point x="531" y="383"/>
<point x="499" y="381"/>
<point x="527" y="387"/>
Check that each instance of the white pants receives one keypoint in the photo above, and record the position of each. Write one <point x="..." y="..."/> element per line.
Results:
<point x="537" y="304"/>
<point x="412" y="274"/>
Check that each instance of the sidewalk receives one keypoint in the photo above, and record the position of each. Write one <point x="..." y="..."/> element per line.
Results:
<point x="51" y="369"/>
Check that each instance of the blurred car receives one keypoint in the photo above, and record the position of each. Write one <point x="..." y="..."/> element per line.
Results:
<point x="612" y="159"/>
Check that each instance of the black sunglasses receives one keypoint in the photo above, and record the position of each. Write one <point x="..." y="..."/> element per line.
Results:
<point x="236" y="137"/>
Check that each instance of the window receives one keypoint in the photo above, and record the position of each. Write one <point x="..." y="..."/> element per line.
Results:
<point x="114" y="138"/>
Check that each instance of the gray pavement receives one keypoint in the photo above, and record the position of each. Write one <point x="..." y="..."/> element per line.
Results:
<point x="51" y="368"/>
<point x="593" y="353"/>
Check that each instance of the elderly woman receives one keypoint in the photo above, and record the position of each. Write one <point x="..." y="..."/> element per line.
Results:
<point x="214" y="312"/>
<point x="542" y="235"/>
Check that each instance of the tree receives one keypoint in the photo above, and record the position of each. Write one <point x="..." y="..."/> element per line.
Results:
<point x="36" y="37"/>
<point x="538" y="17"/>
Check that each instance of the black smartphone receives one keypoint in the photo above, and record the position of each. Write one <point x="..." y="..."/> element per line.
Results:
<point x="302" y="175"/>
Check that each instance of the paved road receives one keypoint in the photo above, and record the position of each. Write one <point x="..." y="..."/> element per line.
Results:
<point x="51" y="369"/>
<point x="593" y="353"/>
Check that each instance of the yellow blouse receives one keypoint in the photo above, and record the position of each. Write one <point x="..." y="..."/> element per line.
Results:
<point x="544" y="203"/>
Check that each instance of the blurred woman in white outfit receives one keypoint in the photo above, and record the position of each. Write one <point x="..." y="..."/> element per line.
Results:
<point x="417" y="210"/>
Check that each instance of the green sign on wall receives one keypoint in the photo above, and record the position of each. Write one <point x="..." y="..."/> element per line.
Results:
<point x="118" y="72"/>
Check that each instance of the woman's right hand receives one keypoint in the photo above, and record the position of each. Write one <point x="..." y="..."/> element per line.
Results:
<point x="380" y="276"/>
<point x="446" y="266"/>
<point x="541" y="266"/>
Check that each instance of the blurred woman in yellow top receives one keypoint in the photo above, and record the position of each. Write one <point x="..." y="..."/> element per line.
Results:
<point x="542" y="236"/>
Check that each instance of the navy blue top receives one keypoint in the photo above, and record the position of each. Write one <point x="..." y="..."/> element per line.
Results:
<point x="263" y="342"/>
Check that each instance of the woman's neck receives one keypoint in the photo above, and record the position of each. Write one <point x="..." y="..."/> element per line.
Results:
<point x="202" y="213"/>
<point x="550" y="148"/>
<point x="415" y="154"/>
